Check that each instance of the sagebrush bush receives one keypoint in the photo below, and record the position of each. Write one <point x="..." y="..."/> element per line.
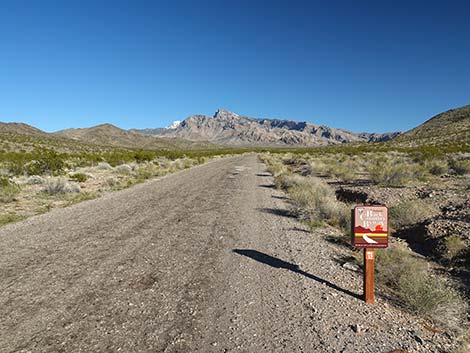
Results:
<point x="35" y="180"/>
<point x="124" y="169"/>
<point x="104" y="166"/>
<point x="410" y="212"/>
<point x="57" y="186"/>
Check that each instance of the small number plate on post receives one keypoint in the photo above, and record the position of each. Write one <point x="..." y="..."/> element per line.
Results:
<point x="370" y="227"/>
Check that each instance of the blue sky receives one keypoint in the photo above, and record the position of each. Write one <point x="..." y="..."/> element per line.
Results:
<point x="364" y="66"/>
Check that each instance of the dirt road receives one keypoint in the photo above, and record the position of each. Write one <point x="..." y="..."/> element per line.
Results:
<point x="206" y="260"/>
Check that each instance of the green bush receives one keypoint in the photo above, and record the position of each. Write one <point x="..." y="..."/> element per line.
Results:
<point x="8" y="190"/>
<point x="48" y="162"/>
<point x="9" y="218"/>
<point x="79" y="177"/>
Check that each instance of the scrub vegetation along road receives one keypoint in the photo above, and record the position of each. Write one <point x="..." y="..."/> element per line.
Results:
<point x="205" y="260"/>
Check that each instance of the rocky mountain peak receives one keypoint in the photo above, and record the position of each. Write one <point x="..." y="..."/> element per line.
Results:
<point x="223" y="114"/>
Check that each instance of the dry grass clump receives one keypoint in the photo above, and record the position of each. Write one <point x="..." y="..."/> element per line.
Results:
<point x="410" y="212"/>
<point x="8" y="190"/>
<point x="423" y="293"/>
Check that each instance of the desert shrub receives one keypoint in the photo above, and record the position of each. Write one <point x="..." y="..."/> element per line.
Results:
<point x="184" y="163"/>
<point x="177" y="164"/>
<point x="8" y="190"/>
<point x="460" y="166"/>
<point x="57" y="186"/>
<point x="390" y="175"/>
<point x="341" y="171"/>
<point x="163" y="162"/>
<point x="48" y="162"/>
<point x="317" y="167"/>
<point x="104" y="166"/>
<point x="316" y="201"/>
<point x="79" y="177"/>
<point x="144" y="156"/>
<point x="419" y="290"/>
<point x="124" y="169"/>
<point x="147" y="171"/>
<point x="394" y="170"/>
<point x="286" y="181"/>
<point x="9" y="218"/>
<point x="453" y="246"/>
<point x="410" y="212"/>
<point x="111" y="182"/>
<point x="437" y="167"/>
<point x="425" y="293"/>
<point x="276" y="168"/>
<point x="395" y="261"/>
<point x="35" y="180"/>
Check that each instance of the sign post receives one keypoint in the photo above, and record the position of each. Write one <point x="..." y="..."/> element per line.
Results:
<point x="370" y="231"/>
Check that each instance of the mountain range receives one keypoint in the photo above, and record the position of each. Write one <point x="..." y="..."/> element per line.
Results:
<point x="230" y="129"/>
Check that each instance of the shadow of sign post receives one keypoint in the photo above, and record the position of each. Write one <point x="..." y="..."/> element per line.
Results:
<point x="278" y="263"/>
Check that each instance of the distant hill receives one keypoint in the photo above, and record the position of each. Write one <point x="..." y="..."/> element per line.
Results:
<point x="21" y="129"/>
<point x="227" y="128"/>
<point x="110" y="135"/>
<point x="452" y="126"/>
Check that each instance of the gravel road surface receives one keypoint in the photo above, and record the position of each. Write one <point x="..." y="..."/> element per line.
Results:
<point x="205" y="260"/>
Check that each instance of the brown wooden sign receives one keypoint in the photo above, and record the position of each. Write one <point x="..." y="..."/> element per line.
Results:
<point x="370" y="227"/>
